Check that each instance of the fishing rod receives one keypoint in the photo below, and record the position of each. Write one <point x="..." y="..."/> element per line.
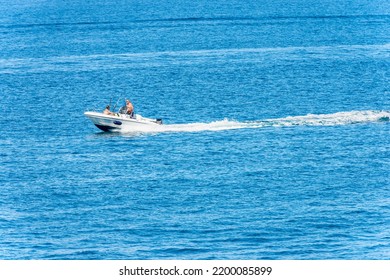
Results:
<point x="116" y="104"/>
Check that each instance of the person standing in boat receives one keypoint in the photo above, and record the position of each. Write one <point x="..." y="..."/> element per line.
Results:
<point x="129" y="108"/>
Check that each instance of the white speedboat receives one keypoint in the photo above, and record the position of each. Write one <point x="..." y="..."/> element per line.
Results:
<point x="118" y="122"/>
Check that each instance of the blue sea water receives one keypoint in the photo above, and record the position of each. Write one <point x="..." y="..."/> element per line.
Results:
<point x="276" y="143"/>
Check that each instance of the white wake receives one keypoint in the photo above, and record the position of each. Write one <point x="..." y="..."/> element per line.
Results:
<point x="336" y="119"/>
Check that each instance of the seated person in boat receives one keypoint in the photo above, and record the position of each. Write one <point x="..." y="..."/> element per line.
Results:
<point x="107" y="111"/>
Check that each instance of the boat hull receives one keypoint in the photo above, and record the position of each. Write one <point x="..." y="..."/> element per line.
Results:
<point x="119" y="122"/>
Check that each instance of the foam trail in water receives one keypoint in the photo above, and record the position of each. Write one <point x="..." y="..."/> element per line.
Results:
<point x="340" y="118"/>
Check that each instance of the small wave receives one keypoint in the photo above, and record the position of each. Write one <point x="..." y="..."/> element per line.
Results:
<point x="262" y="19"/>
<point x="93" y="62"/>
<point x="336" y="119"/>
<point x="192" y="19"/>
<point x="56" y="24"/>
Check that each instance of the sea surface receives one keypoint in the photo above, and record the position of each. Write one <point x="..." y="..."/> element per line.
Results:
<point x="276" y="136"/>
